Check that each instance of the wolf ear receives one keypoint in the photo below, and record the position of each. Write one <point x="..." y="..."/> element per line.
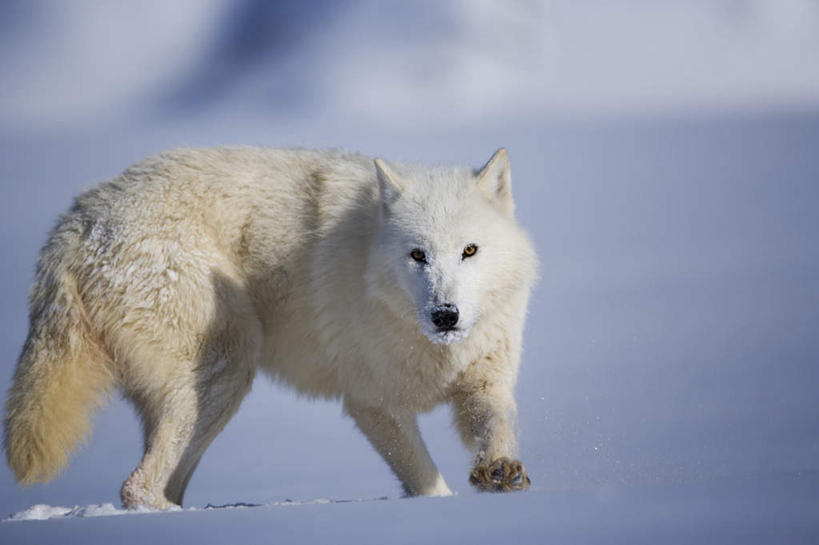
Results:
<point x="389" y="186"/>
<point x="495" y="180"/>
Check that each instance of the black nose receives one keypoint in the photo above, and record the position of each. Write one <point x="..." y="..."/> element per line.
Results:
<point x="445" y="316"/>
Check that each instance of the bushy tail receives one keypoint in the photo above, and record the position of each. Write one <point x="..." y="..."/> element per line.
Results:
<point x="61" y="376"/>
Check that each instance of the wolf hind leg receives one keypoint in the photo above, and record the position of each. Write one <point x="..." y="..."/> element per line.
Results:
<point x="179" y="424"/>
<point x="397" y="438"/>
<point x="183" y="412"/>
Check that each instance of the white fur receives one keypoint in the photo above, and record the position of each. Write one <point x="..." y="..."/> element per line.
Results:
<point x="196" y="267"/>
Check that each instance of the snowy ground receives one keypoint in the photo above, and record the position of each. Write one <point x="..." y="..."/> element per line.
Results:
<point x="669" y="380"/>
<point x="726" y="512"/>
<point x="669" y="383"/>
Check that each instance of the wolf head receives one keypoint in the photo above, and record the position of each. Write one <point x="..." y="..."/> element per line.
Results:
<point x="448" y="250"/>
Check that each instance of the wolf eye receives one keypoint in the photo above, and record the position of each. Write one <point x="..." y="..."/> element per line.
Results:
<point x="418" y="255"/>
<point x="469" y="251"/>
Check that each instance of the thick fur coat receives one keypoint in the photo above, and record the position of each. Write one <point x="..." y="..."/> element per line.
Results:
<point x="393" y="288"/>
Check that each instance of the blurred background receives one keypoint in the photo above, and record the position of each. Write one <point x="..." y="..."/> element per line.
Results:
<point x="665" y="159"/>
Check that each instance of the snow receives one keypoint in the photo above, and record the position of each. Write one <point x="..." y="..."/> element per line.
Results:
<point x="669" y="372"/>
<point x="45" y="512"/>
<point x="42" y="512"/>
<point x="724" y="512"/>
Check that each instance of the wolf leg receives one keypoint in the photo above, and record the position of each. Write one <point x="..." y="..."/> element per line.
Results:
<point x="180" y="421"/>
<point x="397" y="438"/>
<point x="184" y="409"/>
<point x="484" y="407"/>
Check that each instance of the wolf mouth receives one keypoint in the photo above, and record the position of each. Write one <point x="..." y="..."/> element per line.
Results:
<point x="447" y="335"/>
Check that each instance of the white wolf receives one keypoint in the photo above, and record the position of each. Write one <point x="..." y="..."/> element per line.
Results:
<point x="392" y="287"/>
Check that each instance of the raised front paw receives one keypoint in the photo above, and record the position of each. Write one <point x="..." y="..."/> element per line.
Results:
<point x="501" y="475"/>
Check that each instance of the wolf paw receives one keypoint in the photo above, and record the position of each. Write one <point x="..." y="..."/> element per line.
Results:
<point x="501" y="475"/>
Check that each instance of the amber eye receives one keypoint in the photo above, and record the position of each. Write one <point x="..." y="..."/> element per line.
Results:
<point x="470" y="250"/>
<point x="418" y="255"/>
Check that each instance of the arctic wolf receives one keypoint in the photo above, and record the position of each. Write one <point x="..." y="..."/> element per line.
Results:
<point x="392" y="287"/>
